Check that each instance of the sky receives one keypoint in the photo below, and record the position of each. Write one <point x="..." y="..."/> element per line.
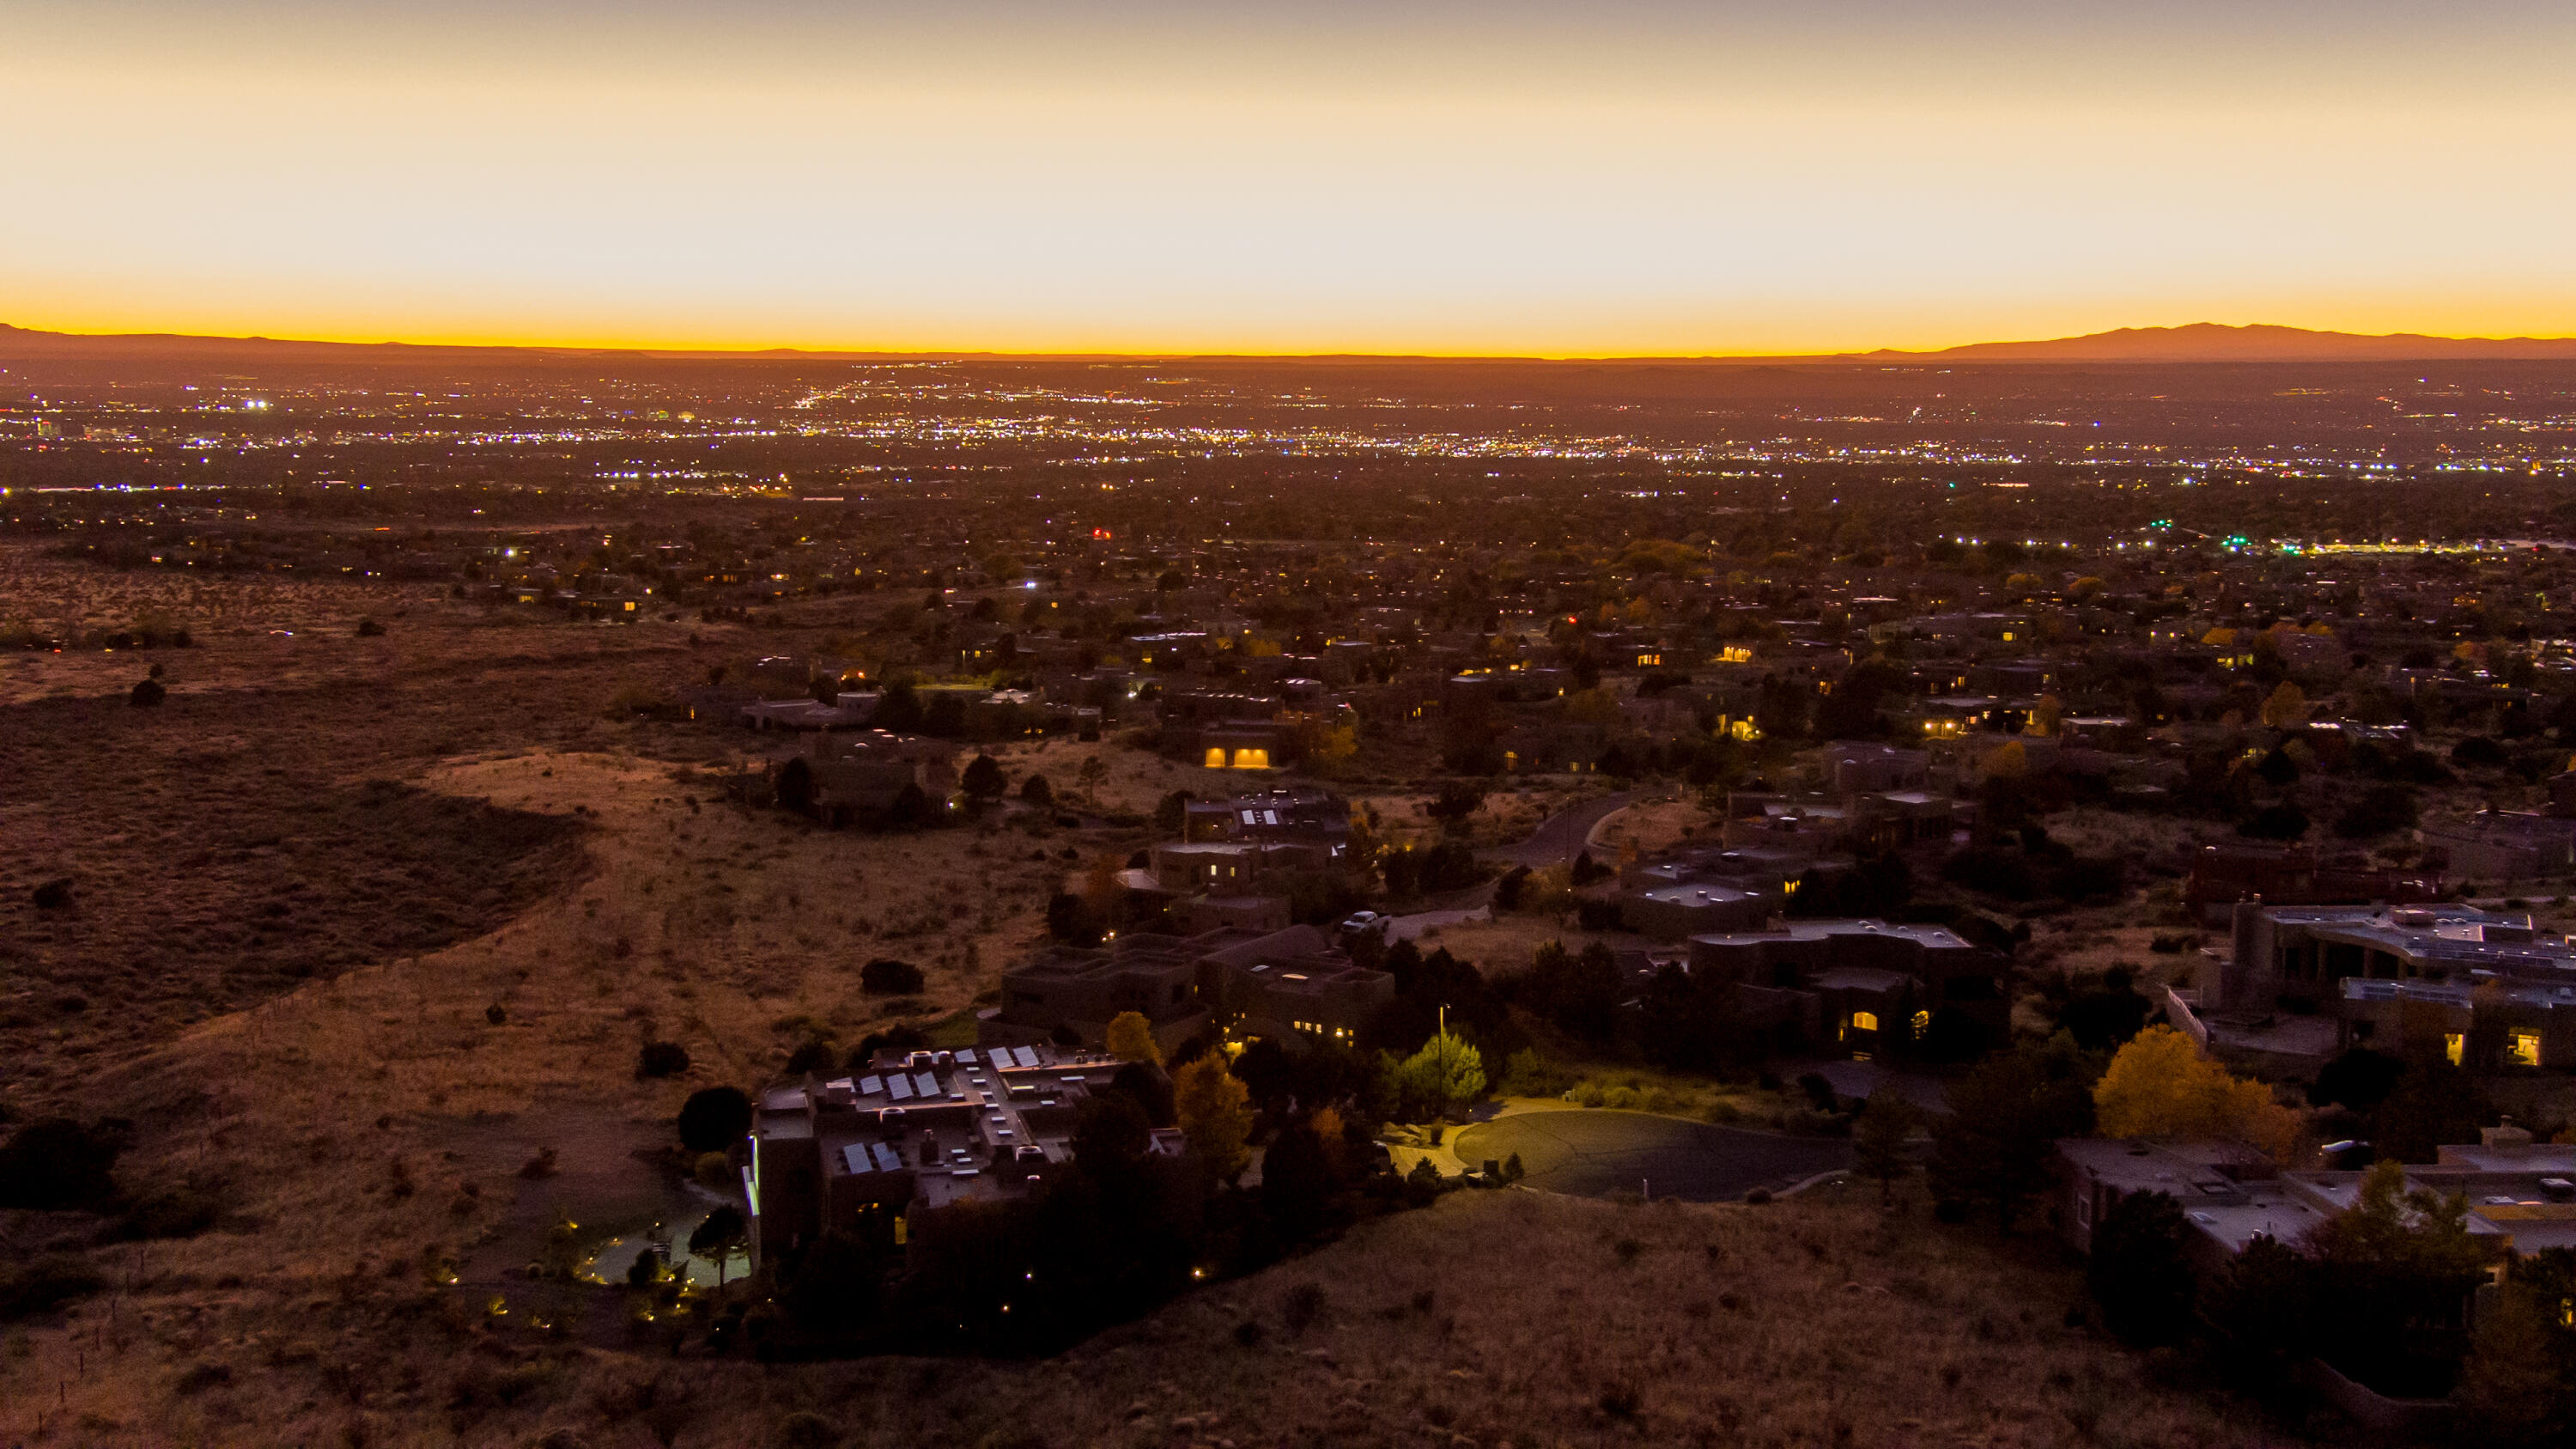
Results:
<point x="1621" y="177"/>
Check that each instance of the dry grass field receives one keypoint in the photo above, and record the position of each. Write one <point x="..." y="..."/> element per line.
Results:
<point x="1501" y="1319"/>
<point x="360" y="927"/>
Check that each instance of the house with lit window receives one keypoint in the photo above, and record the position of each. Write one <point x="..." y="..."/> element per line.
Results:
<point x="1865" y="987"/>
<point x="2484" y="988"/>
<point x="1294" y="984"/>
<point x="1296" y="813"/>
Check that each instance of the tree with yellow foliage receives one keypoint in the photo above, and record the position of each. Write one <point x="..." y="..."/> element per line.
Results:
<point x="1592" y="706"/>
<point x="1131" y="1038"/>
<point x="1215" y="1112"/>
<point x="2161" y="1086"/>
<point x="1326" y="1124"/>
<point x="2287" y="708"/>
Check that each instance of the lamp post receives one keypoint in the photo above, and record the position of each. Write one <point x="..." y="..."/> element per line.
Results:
<point x="1444" y="1059"/>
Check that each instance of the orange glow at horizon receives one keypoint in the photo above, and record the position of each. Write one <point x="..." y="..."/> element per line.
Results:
<point x="1657" y="179"/>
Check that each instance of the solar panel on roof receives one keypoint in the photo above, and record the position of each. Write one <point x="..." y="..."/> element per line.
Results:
<point x="899" y="1088"/>
<point x="870" y="1086"/>
<point x="855" y="1156"/>
<point x="887" y="1161"/>
<point x="926" y="1085"/>
<point x="966" y="1056"/>
<point x="1026" y="1056"/>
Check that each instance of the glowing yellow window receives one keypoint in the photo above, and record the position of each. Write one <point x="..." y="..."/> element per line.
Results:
<point x="2455" y="1045"/>
<point x="1922" y="1024"/>
<point x="2525" y="1048"/>
<point x="1865" y="1021"/>
<point x="1251" y="759"/>
<point x="1216" y="757"/>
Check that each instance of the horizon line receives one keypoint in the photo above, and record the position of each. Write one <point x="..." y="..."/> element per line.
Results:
<point x="828" y="352"/>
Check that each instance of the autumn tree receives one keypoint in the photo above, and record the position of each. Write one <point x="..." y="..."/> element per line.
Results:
<point x="1131" y="1038"/>
<point x="2518" y="1390"/>
<point x="1216" y="1114"/>
<point x="2159" y="1085"/>
<point x="2287" y="708"/>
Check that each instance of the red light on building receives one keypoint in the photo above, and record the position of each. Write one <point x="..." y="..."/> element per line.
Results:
<point x="1100" y="533"/>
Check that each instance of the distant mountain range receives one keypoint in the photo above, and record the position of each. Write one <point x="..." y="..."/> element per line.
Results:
<point x="2214" y="342"/>
<point x="2199" y="342"/>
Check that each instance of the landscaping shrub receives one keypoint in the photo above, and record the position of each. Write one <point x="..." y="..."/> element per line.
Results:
<point x="886" y="976"/>
<point x="661" y="1059"/>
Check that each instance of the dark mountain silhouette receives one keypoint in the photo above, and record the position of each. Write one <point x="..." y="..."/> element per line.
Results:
<point x="2213" y="342"/>
<point x="2200" y="342"/>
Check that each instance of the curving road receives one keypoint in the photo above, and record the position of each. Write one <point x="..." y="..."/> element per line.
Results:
<point x="1559" y="836"/>
<point x="1598" y="1152"/>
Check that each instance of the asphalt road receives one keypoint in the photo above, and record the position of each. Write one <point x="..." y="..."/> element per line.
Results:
<point x="1559" y="836"/>
<point x="1595" y="1153"/>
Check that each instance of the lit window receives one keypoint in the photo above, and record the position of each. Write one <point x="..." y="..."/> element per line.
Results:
<point x="2526" y="1048"/>
<point x="1216" y="757"/>
<point x="1865" y="1021"/>
<point x="2455" y="1046"/>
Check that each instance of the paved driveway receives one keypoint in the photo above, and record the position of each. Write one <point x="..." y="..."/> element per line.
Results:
<point x="1560" y="836"/>
<point x="1598" y="1152"/>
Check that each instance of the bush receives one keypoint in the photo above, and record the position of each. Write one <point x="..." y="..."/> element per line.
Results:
<point x="2380" y="810"/>
<point x="370" y="629"/>
<point x="55" y="1162"/>
<point x="811" y="1055"/>
<point x="2137" y="1271"/>
<point x="886" y="976"/>
<point x="1070" y="919"/>
<point x="661" y="1059"/>
<point x="714" y="1118"/>
<point x="147" y="694"/>
<point x="178" y="1212"/>
<point x="45" y="1284"/>
<point x="806" y="1429"/>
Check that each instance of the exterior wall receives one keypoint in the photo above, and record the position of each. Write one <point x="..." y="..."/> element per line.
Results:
<point x="1671" y="920"/>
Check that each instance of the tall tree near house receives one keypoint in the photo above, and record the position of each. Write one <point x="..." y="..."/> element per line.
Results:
<point x="1131" y="1038"/>
<point x="983" y="778"/>
<point x="2005" y="1118"/>
<point x="1878" y="1138"/>
<point x="1216" y="1115"/>
<point x="2137" y="1271"/>
<point x="724" y="1230"/>
<point x="1090" y="776"/>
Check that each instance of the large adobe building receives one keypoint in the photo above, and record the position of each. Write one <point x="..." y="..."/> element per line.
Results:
<point x="918" y="1129"/>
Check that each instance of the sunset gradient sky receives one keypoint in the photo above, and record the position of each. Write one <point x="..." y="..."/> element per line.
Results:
<point x="1619" y="177"/>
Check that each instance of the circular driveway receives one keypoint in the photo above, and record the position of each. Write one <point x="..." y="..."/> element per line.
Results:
<point x="1594" y="1153"/>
